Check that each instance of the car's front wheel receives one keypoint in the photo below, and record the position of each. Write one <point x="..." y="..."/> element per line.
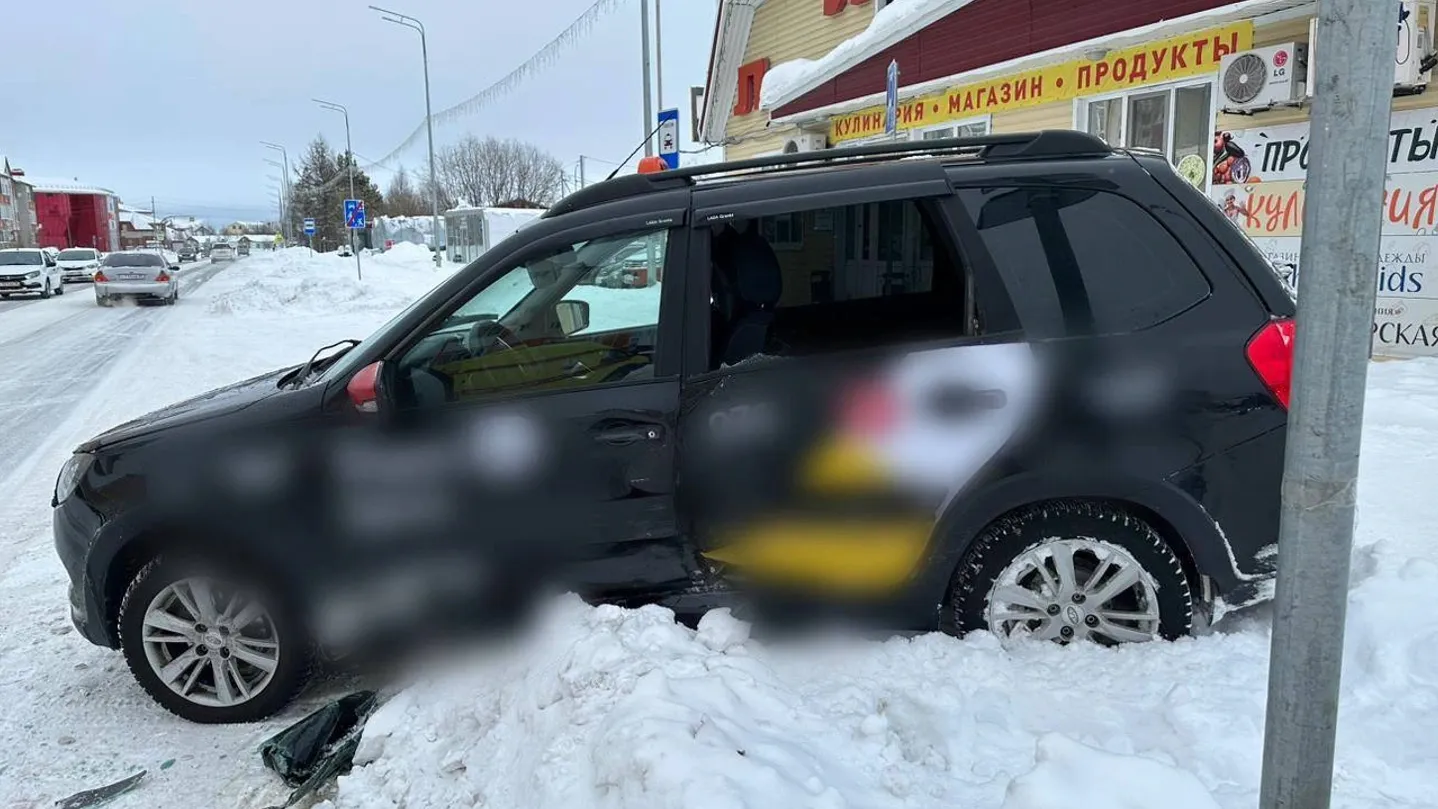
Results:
<point x="1073" y="571"/>
<point x="45" y="293"/>
<point x="211" y="649"/>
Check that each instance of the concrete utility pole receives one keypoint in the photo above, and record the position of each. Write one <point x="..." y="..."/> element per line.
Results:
<point x="648" y="100"/>
<point x="350" y="152"/>
<point x="1352" y="101"/>
<point x="412" y="23"/>
<point x="658" y="56"/>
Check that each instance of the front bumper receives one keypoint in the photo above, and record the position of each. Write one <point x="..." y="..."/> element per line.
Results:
<point x="74" y="526"/>
<point x="135" y="289"/>
<point x="76" y="274"/>
<point x="21" y="287"/>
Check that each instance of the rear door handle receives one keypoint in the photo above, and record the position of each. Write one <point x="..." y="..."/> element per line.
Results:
<point x="623" y="436"/>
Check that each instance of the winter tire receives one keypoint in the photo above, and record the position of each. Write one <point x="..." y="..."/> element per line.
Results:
<point x="1070" y="571"/>
<point x="46" y="293"/>
<point x="210" y="652"/>
<point x="61" y="289"/>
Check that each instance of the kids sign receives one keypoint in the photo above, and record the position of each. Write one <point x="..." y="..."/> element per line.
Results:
<point x="1175" y="58"/>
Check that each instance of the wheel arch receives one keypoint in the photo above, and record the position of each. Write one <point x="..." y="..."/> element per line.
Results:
<point x="1177" y="517"/>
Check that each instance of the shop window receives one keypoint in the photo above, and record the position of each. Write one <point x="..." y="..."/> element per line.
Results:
<point x="963" y="129"/>
<point x="834" y="279"/>
<point x="1176" y="121"/>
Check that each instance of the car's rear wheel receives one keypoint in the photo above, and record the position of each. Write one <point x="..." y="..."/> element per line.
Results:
<point x="1072" y="571"/>
<point x="211" y="648"/>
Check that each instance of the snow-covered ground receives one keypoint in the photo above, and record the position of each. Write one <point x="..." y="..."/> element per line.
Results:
<point x="602" y="707"/>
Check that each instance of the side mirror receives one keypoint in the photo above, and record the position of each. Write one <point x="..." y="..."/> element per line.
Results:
<point x="364" y="388"/>
<point x="174" y="266"/>
<point x="573" y="316"/>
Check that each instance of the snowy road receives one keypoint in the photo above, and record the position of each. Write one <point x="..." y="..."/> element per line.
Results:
<point x="54" y="354"/>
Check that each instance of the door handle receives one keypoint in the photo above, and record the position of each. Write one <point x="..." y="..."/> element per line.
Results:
<point x="623" y="436"/>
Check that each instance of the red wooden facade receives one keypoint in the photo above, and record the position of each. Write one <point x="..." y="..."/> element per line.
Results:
<point x="986" y="32"/>
<point x="74" y="220"/>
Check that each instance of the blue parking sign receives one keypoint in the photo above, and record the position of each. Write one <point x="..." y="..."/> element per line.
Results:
<point x="354" y="214"/>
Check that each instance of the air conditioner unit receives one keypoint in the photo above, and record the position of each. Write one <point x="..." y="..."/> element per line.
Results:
<point x="1414" y="42"/>
<point x="806" y="142"/>
<point x="1263" y="77"/>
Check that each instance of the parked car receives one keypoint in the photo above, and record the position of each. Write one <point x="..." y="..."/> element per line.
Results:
<point x="188" y="252"/>
<point x="243" y="249"/>
<point x="345" y="251"/>
<point x="1050" y="402"/>
<point x="141" y="275"/>
<point x="78" y="264"/>
<point x="222" y="251"/>
<point x="30" y="271"/>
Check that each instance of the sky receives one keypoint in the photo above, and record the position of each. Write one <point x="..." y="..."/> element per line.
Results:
<point x="171" y="98"/>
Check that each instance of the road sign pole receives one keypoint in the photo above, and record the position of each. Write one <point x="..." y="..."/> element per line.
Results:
<point x="1342" y="231"/>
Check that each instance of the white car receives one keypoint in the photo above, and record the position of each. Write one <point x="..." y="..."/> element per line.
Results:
<point x="29" y="271"/>
<point x="78" y="263"/>
<point x="222" y="251"/>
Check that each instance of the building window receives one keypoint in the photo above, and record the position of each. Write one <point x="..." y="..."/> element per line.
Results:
<point x="1176" y="121"/>
<point x="959" y="129"/>
<point x="751" y="80"/>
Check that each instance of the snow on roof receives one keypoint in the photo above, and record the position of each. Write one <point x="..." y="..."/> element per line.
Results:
<point x="137" y="220"/>
<point x="50" y="185"/>
<point x="184" y="222"/>
<point x="788" y="80"/>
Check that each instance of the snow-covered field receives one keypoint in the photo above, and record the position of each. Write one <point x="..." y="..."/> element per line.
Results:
<point x="602" y="707"/>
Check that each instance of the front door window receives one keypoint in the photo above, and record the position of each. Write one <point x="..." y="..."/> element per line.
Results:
<point x="580" y="316"/>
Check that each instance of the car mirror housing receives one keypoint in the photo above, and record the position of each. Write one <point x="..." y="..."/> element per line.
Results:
<point x="364" y="388"/>
<point x="573" y="316"/>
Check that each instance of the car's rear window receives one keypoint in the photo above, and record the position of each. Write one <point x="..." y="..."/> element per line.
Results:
<point x="133" y="260"/>
<point x="1078" y="260"/>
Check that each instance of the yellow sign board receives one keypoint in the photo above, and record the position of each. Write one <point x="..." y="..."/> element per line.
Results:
<point x="1170" y="59"/>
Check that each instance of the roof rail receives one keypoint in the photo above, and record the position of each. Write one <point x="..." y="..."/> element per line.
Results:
<point x="1048" y="143"/>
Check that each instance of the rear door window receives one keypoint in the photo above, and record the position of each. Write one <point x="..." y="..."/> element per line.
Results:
<point x="1081" y="261"/>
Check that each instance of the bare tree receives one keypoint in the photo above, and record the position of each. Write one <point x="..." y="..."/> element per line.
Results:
<point x="404" y="198"/>
<point x="486" y="172"/>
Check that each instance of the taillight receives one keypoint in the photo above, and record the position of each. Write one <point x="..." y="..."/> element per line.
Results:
<point x="1270" y="352"/>
<point x="162" y="278"/>
<point x="100" y="276"/>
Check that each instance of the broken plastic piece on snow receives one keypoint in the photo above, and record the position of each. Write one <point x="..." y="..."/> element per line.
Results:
<point x="167" y="764"/>
<point x="320" y="746"/>
<point x="95" y="797"/>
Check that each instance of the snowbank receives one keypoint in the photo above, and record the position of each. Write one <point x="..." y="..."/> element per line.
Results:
<point x="295" y="282"/>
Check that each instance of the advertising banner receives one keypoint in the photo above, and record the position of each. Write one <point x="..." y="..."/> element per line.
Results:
<point x="1258" y="181"/>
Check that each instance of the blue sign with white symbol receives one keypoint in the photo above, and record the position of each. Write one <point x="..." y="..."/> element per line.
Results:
<point x="891" y="99"/>
<point x="309" y="227"/>
<point x="669" y="137"/>
<point x="354" y="214"/>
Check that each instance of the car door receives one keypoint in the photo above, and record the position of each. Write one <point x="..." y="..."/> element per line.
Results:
<point x="52" y="271"/>
<point x="565" y="396"/>
<point x="857" y="373"/>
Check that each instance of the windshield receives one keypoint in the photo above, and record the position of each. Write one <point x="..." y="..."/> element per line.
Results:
<point x="27" y="257"/>
<point x="77" y="255"/>
<point x="134" y="260"/>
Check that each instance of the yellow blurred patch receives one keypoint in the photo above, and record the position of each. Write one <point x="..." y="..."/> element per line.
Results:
<point x="843" y="465"/>
<point x="863" y="556"/>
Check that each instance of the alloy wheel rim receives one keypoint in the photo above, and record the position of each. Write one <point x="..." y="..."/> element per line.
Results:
<point x="1069" y="590"/>
<point x="210" y="645"/>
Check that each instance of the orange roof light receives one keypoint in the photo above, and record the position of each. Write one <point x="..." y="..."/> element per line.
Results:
<point x="652" y="164"/>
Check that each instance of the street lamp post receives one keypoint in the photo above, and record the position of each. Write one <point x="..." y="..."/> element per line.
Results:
<point x="349" y="150"/>
<point x="286" y="227"/>
<point x="412" y="23"/>
<point x="283" y="201"/>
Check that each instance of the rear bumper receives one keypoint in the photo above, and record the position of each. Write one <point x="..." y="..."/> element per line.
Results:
<point x="138" y="289"/>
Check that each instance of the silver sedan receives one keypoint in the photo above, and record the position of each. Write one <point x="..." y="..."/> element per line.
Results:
<point x="136" y="275"/>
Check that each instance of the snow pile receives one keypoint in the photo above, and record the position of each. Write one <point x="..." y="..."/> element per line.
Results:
<point x="295" y="282"/>
<point x="1069" y="774"/>
<point x="890" y="24"/>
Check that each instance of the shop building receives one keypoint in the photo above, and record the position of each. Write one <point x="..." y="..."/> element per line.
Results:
<point x="1221" y="88"/>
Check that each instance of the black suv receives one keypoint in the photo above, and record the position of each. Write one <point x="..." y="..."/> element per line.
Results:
<point x="1022" y="383"/>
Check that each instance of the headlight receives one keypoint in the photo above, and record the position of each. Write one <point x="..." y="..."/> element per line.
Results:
<point x="35" y="274"/>
<point x="70" y="475"/>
